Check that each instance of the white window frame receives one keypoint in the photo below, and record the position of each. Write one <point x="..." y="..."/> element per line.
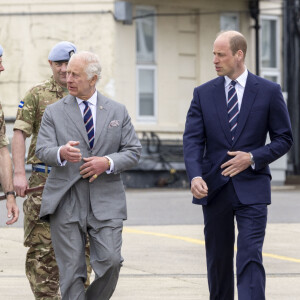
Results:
<point x="277" y="74"/>
<point x="147" y="66"/>
<point x="230" y="15"/>
<point x="151" y="10"/>
<point x="275" y="71"/>
<point x="146" y="119"/>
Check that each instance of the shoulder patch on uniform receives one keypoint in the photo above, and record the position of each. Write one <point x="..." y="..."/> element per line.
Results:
<point x="21" y="104"/>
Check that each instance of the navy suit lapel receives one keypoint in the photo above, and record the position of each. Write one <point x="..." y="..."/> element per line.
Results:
<point x="250" y="92"/>
<point x="221" y="106"/>
<point x="73" y="111"/>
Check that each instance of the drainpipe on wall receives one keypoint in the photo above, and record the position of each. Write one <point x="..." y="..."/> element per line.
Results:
<point x="254" y="12"/>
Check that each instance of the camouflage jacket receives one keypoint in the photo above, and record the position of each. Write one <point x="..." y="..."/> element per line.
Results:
<point x="31" y="110"/>
<point x="3" y="138"/>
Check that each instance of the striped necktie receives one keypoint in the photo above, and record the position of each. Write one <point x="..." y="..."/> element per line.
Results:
<point x="89" y="123"/>
<point x="233" y="108"/>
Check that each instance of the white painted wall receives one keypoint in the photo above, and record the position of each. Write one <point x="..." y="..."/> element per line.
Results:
<point x="183" y="53"/>
<point x="28" y="39"/>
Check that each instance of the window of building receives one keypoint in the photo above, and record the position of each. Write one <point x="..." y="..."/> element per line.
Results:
<point x="229" y="21"/>
<point x="146" y="67"/>
<point x="269" y="48"/>
<point x="146" y="91"/>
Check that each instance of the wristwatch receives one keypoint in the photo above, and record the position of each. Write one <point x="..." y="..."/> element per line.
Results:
<point x="10" y="193"/>
<point x="108" y="160"/>
<point x="251" y="158"/>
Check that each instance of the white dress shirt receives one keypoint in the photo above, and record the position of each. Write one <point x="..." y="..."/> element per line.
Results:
<point x="239" y="87"/>
<point x="93" y="106"/>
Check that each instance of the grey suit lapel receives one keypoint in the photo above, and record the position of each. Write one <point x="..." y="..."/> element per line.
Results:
<point x="72" y="110"/>
<point x="102" y="113"/>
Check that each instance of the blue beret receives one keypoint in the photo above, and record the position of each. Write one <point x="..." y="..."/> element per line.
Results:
<point x="1" y="50"/>
<point x="62" y="51"/>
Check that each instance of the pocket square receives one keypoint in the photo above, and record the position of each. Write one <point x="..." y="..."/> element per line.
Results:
<point x="114" y="123"/>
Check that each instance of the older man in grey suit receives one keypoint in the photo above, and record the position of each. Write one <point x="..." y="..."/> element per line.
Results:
<point x="88" y="140"/>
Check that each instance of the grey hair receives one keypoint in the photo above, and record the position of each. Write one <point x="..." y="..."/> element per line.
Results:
<point x="92" y="63"/>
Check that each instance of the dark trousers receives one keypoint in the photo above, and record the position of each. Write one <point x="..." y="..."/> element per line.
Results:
<point x="219" y="234"/>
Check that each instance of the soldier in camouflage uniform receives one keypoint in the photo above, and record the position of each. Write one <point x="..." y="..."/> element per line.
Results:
<point x="6" y="167"/>
<point x="41" y="268"/>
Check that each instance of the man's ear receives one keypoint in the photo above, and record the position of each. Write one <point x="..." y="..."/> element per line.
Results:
<point x="241" y="55"/>
<point x="50" y="62"/>
<point x="94" y="80"/>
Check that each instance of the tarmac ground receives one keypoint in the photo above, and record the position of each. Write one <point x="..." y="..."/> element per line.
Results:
<point x="163" y="247"/>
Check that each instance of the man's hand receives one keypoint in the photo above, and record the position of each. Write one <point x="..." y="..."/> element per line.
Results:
<point x="199" y="188"/>
<point x="20" y="184"/>
<point x="69" y="153"/>
<point x="12" y="210"/>
<point x="93" y="167"/>
<point x="240" y="162"/>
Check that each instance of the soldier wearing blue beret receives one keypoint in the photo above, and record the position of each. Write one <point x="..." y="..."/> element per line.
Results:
<point x="62" y="51"/>
<point x="41" y="266"/>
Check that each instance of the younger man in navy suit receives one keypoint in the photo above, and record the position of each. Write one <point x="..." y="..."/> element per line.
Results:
<point x="227" y="162"/>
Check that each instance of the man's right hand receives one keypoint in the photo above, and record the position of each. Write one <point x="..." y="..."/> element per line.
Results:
<point x="69" y="153"/>
<point x="12" y="210"/>
<point x="199" y="188"/>
<point x="20" y="184"/>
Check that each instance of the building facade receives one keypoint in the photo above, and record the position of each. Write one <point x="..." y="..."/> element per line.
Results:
<point x="151" y="61"/>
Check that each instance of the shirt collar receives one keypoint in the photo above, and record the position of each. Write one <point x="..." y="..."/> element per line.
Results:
<point x="241" y="80"/>
<point x="92" y="100"/>
<point x="55" y="87"/>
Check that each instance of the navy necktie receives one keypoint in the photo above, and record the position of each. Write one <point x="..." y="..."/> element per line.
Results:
<point x="89" y="123"/>
<point x="233" y="108"/>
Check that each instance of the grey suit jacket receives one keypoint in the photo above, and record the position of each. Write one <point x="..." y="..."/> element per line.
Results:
<point x="114" y="137"/>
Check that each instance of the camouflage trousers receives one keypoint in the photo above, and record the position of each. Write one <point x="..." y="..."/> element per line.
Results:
<point x="41" y="267"/>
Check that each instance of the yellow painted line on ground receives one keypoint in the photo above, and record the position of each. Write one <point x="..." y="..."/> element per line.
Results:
<point x="170" y="236"/>
<point x="280" y="257"/>
<point x="200" y="242"/>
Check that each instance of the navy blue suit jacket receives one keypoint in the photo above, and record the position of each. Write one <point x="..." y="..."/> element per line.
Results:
<point x="207" y="137"/>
